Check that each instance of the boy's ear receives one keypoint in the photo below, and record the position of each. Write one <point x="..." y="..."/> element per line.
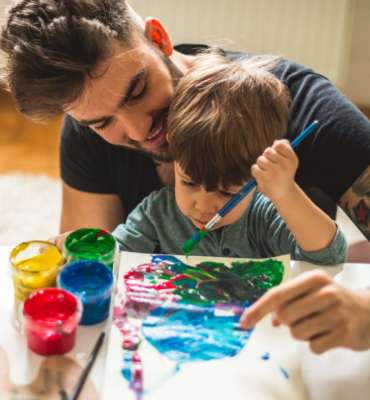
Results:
<point x="158" y="35"/>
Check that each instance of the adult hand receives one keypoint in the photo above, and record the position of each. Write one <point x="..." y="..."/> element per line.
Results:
<point x="317" y="310"/>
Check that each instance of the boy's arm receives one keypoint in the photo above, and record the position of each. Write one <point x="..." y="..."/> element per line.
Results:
<point x="274" y="171"/>
<point x="312" y="229"/>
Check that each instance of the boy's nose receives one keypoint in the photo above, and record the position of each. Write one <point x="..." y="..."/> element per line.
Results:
<point x="206" y="205"/>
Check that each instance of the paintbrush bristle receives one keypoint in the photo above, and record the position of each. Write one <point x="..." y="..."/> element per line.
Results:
<point x="191" y="244"/>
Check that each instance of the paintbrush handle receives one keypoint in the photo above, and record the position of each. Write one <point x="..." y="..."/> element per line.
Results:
<point x="251" y="184"/>
<point x="85" y="373"/>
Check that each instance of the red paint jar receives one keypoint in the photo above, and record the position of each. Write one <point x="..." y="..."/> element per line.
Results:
<point x="51" y="317"/>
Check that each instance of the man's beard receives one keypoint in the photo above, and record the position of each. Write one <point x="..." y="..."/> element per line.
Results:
<point x="162" y="152"/>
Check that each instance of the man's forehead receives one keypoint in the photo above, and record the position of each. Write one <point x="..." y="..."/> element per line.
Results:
<point x="114" y="78"/>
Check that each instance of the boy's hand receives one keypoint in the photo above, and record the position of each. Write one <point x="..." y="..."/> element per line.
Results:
<point x="59" y="240"/>
<point x="275" y="170"/>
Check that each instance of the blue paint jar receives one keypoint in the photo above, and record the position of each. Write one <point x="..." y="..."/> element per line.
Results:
<point x="92" y="283"/>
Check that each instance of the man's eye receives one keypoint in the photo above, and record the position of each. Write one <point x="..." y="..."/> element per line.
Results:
<point x="141" y="94"/>
<point x="185" y="183"/>
<point x="104" y="124"/>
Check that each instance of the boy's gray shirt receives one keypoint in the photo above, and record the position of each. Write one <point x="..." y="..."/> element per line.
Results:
<point x="157" y="225"/>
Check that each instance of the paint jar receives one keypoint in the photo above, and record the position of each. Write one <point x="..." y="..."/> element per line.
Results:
<point x="90" y="244"/>
<point x="92" y="283"/>
<point x="51" y="317"/>
<point x="35" y="265"/>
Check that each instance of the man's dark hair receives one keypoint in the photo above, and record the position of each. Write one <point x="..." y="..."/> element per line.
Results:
<point x="54" y="46"/>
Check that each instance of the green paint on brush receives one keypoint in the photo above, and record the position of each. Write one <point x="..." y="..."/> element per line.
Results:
<point x="191" y="244"/>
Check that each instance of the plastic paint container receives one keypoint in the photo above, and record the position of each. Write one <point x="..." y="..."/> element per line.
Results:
<point x="90" y="244"/>
<point x="92" y="283"/>
<point x="51" y="317"/>
<point x="35" y="265"/>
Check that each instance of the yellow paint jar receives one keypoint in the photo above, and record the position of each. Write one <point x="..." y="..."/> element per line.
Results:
<point x="35" y="265"/>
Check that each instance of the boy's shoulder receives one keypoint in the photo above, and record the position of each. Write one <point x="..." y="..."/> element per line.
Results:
<point x="161" y="199"/>
<point x="163" y="193"/>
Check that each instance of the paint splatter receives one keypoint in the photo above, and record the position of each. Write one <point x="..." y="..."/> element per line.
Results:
<point x="189" y="313"/>
<point x="285" y="373"/>
<point x="266" y="356"/>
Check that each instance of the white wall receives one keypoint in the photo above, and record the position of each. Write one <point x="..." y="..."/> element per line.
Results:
<point x="314" y="33"/>
<point x="357" y="87"/>
<point x="291" y="28"/>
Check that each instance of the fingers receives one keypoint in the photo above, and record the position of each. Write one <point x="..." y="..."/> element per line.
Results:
<point x="321" y="300"/>
<point x="283" y="294"/>
<point x="59" y="240"/>
<point x="327" y="341"/>
<point x="281" y="153"/>
<point x="318" y="325"/>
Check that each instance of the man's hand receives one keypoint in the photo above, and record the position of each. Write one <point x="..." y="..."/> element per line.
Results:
<point x="317" y="310"/>
<point x="275" y="170"/>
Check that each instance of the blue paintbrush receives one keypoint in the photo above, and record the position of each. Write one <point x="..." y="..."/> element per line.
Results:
<point x="190" y="245"/>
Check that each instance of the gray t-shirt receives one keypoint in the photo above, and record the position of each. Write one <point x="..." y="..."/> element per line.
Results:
<point x="157" y="225"/>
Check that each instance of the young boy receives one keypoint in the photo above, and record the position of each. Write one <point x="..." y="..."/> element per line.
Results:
<point x="224" y="115"/>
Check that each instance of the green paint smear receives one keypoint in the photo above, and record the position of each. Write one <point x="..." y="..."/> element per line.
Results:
<point x="191" y="244"/>
<point x="210" y="282"/>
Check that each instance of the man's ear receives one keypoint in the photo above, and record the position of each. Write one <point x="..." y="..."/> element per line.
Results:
<point x="158" y="35"/>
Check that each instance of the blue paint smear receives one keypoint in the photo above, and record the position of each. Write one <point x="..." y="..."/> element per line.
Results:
<point x="91" y="282"/>
<point x="266" y="356"/>
<point x="284" y="372"/>
<point x="126" y="369"/>
<point x="185" y="332"/>
<point x="162" y="381"/>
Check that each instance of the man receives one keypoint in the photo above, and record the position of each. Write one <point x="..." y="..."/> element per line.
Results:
<point x="114" y="76"/>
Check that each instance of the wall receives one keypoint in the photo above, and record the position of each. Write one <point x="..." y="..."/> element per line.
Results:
<point x="331" y="36"/>
<point x="357" y="87"/>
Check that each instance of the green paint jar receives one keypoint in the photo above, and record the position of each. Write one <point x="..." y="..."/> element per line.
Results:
<point x="90" y="244"/>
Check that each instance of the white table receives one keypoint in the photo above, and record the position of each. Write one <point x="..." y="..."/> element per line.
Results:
<point x="24" y="364"/>
<point x="338" y="374"/>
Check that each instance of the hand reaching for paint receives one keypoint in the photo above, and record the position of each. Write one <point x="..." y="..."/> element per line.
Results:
<point x="275" y="169"/>
<point x="59" y="240"/>
<point x="317" y="310"/>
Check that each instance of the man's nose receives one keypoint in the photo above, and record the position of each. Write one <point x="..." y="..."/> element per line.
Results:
<point x="136" y="125"/>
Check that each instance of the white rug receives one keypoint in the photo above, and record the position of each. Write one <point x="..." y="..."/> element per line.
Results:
<point x="30" y="207"/>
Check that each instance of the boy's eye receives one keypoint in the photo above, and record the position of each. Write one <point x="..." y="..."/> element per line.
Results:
<point x="227" y="194"/>
<point x="186" y="183"/>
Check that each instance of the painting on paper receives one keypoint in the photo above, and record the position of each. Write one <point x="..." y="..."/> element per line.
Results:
<point x="176" y="332"/>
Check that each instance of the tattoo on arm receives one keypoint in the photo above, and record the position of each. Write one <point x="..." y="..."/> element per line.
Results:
<point x="357" y="205"/>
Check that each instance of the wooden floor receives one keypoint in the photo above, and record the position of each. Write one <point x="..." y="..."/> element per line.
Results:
<point x="30" y="147"/>
<point x="26" y="146"/>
